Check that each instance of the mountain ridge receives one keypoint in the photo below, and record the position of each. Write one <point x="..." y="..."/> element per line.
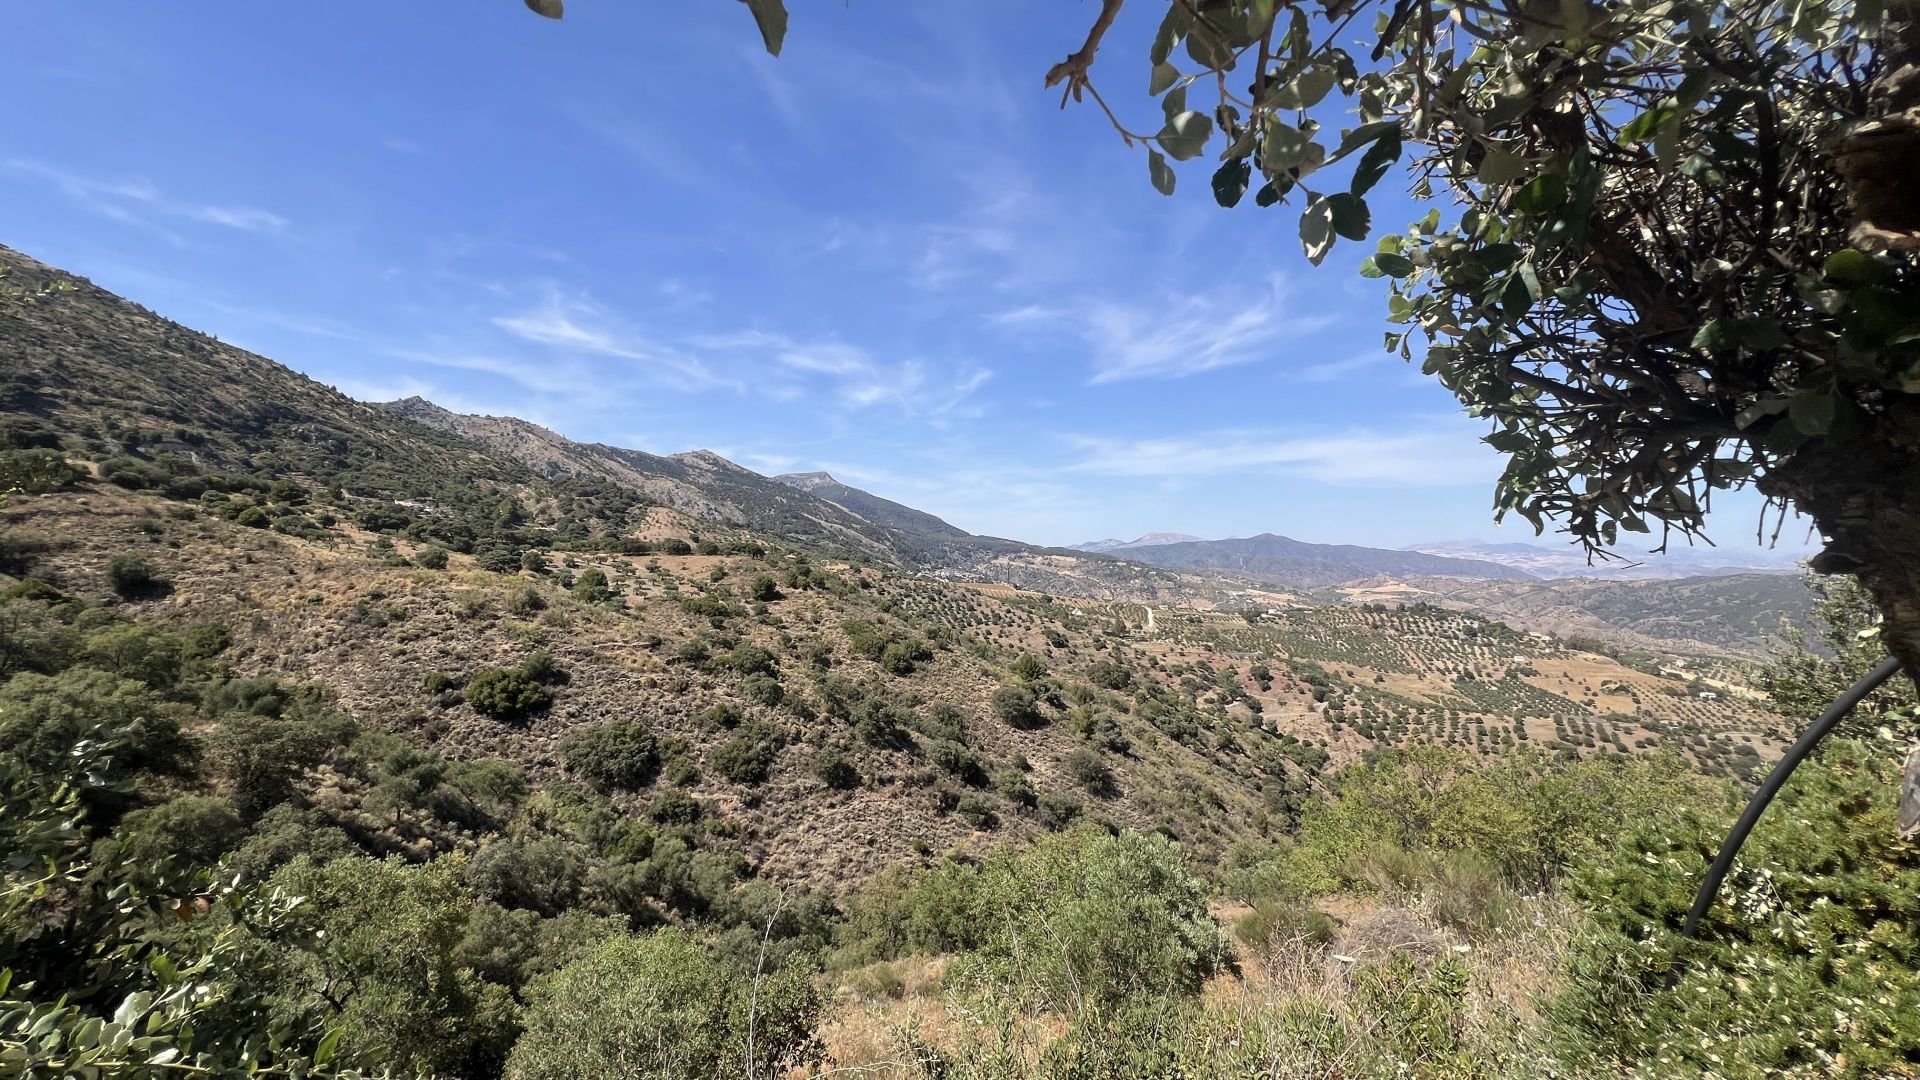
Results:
<point x="1282" y="560"/>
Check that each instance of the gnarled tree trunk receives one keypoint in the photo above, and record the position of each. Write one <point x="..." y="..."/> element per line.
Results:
<point x="1879" y="157"/>
<point x="1863" y="491"/>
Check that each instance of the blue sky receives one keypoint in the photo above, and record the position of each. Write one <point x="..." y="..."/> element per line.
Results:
<point x="887" y="254"/>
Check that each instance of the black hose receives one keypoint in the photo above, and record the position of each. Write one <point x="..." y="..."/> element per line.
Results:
<point x="1789" y="761"/>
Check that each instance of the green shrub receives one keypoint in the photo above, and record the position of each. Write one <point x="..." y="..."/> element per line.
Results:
<point x="744" y="760"/>
<point x="763" y="690"/>
<point x="956" y="759"/>
<point x="33" y="472"/>
<point x="751" y="659"/>
<point x="763" y="589"/>
<point x="262" y="757"/>
<point x="591" y="587"/>
<point x="431" y="557"/>
<point x="1028" y="667"/>
<point x="387" y="942"/>
<point x="1110" y="676"/>
<point x="1017" y="708"/>
<point x="835" y="769"/>
<point x="1090" y="771"/>
<point x="130" y="575"/>
<point x="615" y="755"/>
<point x="43" y="717"/>
<point x="1806" y="965"/>
<point x="1092" y="919"/>
<point x="132" y="473"/>
<point x="1058" y="809"/>
<point x="1013" y="786"/>
<point x="675" y="808"/>
<point x="665" y="1006"/>
<point x="192" y="830"/>
<point x="544" y="874"/>
<point x="525" y="600"/>
<point x="138" y="651"/>
<point x="507" y="694"/>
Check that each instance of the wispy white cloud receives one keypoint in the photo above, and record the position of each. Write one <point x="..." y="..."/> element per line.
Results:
<point x="1174" y="335"/>
<point x="135" y="201"/>
<point x="1335" y="370"/>
<point x="1424" y="453"/>
<point x="852" y="376"/>
<point x="579" y="327"/>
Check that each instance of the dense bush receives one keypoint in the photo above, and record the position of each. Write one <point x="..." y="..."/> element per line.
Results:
<point x="1090" y="771"/>
<point x="615" y="755"/>
<point x="130" y="575"/>
<point x="1088" y="918"/>
<point x="192" y="830"/>
<point x="835" y="769"/>
<point x="261" y="756"/>
<point x="1016" y="707"/>
<point x="385" y="938"/>
<point x="33" y="472"/>
<point x="43" y="717"/>
<point x="431" y="557"/>
<point x="507" y="694"/>
<point x="664" y="1006"/>
<point x="745" y="760"/>
<point x="132" y="473"/>
<point x="1110" y="676"/>
<point x="1808" y="965"/>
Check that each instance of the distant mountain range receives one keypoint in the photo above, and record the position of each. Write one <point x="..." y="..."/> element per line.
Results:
<point x="1281" y="560"/>
<point x="1152" y="539"/>
<point x="1569" y="561"/>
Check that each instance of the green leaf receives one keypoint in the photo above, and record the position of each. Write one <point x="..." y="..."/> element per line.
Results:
<point x="1285" y="148"/>
<point x="1647" y="124"/>
<point x="1272" y="191"/>
<point x="1364" y="135"/>
<point x="1208" y="47"/>
<point x="1172" y="27"/>
<point x="1230" y="181"/>
<point x="1757" y="411"/>
<point x="771" y="17"/>
<point x="1351" y="217"/>
<point x="1376" y="161"/>
<point x="323" y="1053"/>
<point x="1164" y="75"/>
<point x="1393" y="265"/>
<point x="1496" y="257"/>
<point x="1370" y="267"/>
<point x="1541" y="194"/>
<point x="1316" y="230"/>
<point x="1515" y="298"/>
<point x="1305" y="91"/>
<point x="1500" y="167"/>
<point x="1812" y="411"/>
<point x="1185" y="135"/>
<point x="1852" y="267"/>
<point x="551" y="9"/>
<point x="1749" y="332"/>
<point x="1160" y="173"/>
<point x="1174" y="103"/>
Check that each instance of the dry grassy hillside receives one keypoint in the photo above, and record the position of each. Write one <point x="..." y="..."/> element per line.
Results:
<point x="1207" y="726"/>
